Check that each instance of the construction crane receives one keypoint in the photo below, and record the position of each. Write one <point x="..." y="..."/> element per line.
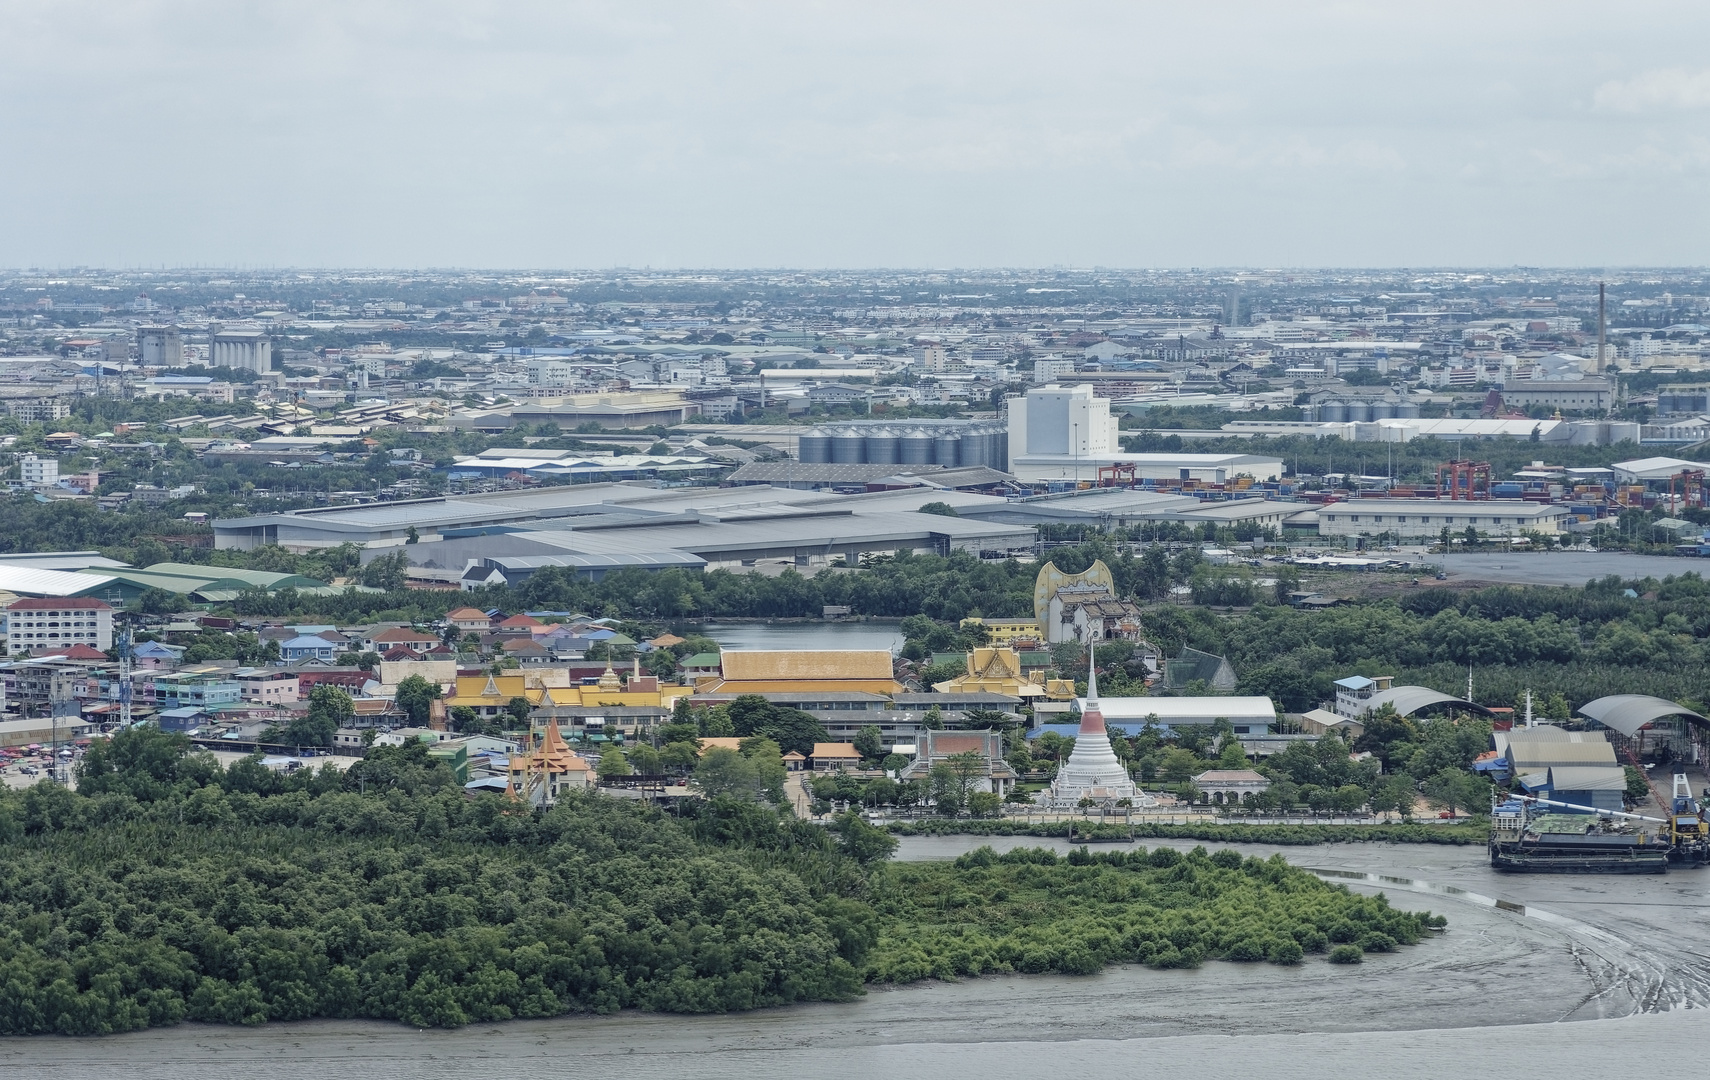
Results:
<point x="1588" y="809"/>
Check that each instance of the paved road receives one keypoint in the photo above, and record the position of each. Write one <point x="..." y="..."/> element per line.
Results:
<point x="1566" y="567"/>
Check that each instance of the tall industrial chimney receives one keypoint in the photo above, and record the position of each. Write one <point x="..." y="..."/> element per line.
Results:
<point x="1602" y="326"/>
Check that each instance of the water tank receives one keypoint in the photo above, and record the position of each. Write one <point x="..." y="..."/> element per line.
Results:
<point x="915" y="447"/>
<point x="813" y="448"/>
<point x="849" y="448"/>
<point x="883" y="447"/>
<point x="981" y="452"/>
<point x="968" y="451"/>
<point x="945" y="448"/>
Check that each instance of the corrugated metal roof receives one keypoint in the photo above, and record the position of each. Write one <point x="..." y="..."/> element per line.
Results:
<point x="1588" y="778"/>
<point x="28" y="581"/>
<point x="1532" y="756"/>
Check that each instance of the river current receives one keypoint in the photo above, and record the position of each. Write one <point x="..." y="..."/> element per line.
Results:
<point x="1574" y="976"/>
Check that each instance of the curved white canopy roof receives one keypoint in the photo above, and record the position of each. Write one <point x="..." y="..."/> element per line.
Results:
<point x="1627" y="713"/>
<point x="1408" y="700"/>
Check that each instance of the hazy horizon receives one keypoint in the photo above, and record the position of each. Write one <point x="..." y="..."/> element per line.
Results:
<point x="876" y="136"/>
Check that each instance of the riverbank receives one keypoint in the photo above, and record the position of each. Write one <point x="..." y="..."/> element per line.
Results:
<point x="1095" y="832"/>
<point x="732" y="1048"/>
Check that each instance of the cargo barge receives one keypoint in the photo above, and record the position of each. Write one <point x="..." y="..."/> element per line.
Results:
<point x="1526" y="837"/>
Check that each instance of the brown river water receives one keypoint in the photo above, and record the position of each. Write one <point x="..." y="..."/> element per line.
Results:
<point x="1536" y="975"/>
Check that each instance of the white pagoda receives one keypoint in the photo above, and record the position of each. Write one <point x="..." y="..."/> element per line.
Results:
<point x="1092" y="771"/>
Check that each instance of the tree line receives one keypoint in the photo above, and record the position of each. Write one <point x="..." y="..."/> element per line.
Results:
<point x="166" y="888"/>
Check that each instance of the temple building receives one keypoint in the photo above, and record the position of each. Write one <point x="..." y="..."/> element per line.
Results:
<point x="1083" y="606"/>
<point x="993" y="671"/>
<point x="1092" y="771"/>
<point x="549" y="769"/>
<point x="488" y="695"/>
<point x="938" y="747"/>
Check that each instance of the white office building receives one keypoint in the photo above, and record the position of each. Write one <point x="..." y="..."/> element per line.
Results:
<point x="1061" y="433"/>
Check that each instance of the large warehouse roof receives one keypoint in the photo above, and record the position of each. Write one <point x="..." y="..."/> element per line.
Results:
<point x="28" y="581"/>
<point x="1652" y="468"/>
<point x="1628" y="713"/>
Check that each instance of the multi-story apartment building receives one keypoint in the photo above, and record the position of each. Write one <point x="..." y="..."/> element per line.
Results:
<point x="51" y="622"/>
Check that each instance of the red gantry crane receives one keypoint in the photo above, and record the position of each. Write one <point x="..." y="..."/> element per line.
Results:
<point x="1467" y="480"/>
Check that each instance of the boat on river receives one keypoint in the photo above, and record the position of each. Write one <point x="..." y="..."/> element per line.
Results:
<point x="1527" y="836"/>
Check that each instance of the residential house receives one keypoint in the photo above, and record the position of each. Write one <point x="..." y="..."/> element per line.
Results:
<point x="469" y="620"/>
<point x="527" y="651"/>
<point x="400" y="637"/>
<point x="201" y="688"/>
<point x="308" y="647"/>
<point x="156" y="656"/>
<point x="519" y="624"/>
<point x="699" y="666"/>
<point x="267" y="686"/>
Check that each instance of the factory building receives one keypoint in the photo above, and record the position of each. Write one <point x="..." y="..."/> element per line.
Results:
<point x="1578" y="395"/>
<point x="249" y="350"/>
<point x="1059" y="433"/>
<point x="1426" y="518"/>
<point x="160" y="346"/>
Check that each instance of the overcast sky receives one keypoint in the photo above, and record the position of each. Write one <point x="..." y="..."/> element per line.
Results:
<point x="556" y="134"/>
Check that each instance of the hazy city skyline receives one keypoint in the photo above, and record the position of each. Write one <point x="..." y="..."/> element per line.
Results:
<point x="745" y="135"/>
